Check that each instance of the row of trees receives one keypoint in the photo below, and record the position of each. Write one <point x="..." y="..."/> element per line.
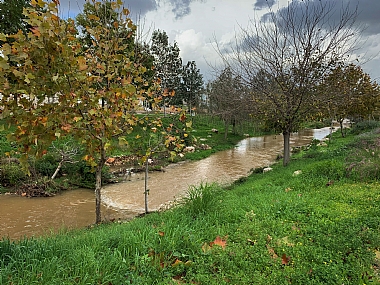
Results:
<point x="346" y="92"/>
<point x="294" y="62"/>
<point x="95" y="73"/>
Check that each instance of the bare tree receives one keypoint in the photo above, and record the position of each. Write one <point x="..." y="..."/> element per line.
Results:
<point x="229" y="100"/>
<point x="67" y="152"/>
<point x="286" y="54"/>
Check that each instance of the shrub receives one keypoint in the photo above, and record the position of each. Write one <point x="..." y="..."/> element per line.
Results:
<point x="81" y="174"/>
<point x="46" y="165"/>
<point x="11" y="174"/>
<point x="363" y="126"/>
<point x="363" y="161"/>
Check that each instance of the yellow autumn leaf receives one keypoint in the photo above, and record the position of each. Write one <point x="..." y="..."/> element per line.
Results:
<point x="93" y="17"/>
<point x="82" y="63"/>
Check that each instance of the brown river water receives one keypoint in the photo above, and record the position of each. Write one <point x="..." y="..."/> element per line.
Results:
<point x="26" y="217"/>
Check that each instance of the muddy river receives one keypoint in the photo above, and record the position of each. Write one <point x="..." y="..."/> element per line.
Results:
<point x="28" y="217"/>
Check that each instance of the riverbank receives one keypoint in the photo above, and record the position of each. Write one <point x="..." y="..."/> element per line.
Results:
<point x="320" y="226"/>
<point x="125" y="200"/>
<point x="206" y="139"/>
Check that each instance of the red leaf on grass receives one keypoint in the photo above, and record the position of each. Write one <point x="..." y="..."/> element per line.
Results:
<point x="285" y="259"/>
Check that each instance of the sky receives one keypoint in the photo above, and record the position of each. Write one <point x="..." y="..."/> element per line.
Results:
<point x="199" y="25"/>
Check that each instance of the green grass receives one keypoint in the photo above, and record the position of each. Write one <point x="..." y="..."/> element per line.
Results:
<point x="202" y="132"/>
<point x="320" y="227"/>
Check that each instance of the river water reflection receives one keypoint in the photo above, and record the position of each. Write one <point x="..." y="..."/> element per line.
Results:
<point x="21" y="216"/>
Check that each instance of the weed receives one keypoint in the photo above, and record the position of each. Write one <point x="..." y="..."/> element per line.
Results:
<point x="11" y="174"/>
<point x="200" y="199"/>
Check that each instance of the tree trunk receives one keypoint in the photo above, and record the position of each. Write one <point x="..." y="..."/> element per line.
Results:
<point x="164" y="106"/>
<point x="57" y="170"/>
<point x="98" y="198"/>
<point x="286" y="135"/>
<point x="331" y="128"/>
<point x="146" y="192"/>
<point x="225" y="129"/>
<point x="234" y="127"/>
<point x="341" y="127"/>
<point x="98" y="185"/>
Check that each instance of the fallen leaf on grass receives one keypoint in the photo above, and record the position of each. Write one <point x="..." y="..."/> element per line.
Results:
<point x="206" y="247"/>
<point x="295" y="228"/>
<point x="284" y="241"/>
<point x="285" y="259"/>
<point x="177" y="262"/>
<point x="252" y="242"/>
<point x="219" y="241"/>
<point x="272" y="253"/>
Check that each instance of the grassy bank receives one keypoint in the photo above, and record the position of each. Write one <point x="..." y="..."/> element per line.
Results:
<point x="318" y="227"/>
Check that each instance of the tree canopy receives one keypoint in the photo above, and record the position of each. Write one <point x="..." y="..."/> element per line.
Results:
<point x="229" y="99"/>
<point x="52" y="85"/>
<point x="167" y="63"/>
<point x="191" y="85"/>
<point x="349" y="93"/>
<point x="12" y="18"/>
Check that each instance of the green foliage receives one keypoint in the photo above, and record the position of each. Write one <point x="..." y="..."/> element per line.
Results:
<point x="168" y="66"/>
<point x="363" y="160"/>
<point x="46" y="165"/>
<point x="352" y="93"/>
<point x="6" y="146"/>
<point x="83" y="175"/>
<point x="11" y="16"/>
<point x="329" y="169"/>
<point x="11" y="174"/>
<point x="191" y="85"/>
<point x="363" y="126"/>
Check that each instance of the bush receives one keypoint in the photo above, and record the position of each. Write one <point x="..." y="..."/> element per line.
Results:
<point x="81" y="174"/>
<point x="363" y="161"/>
<point x="363" y="126"/>
<point x="11" y="174"/>
<point x="46" y="165"/>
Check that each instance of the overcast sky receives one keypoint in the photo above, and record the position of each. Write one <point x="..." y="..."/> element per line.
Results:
<point x="196" y="25"/>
